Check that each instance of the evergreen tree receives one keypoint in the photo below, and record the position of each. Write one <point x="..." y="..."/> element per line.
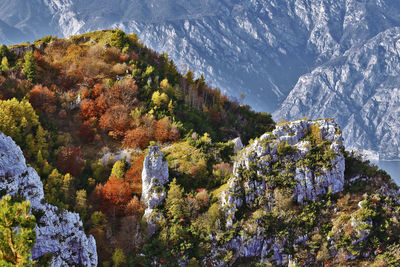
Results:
<point x="30" y="66"/>
<point x="118" y="258"/>
<point x="19" y="121"/>
<point x="81" y="202"/>
<point x="119" y="39"/>
<point x="52" y="189"/>
<point x="67" y="187"/>
<point x="17" y="233"/>
<point x="4" y="51"/>
<point x="4" y="64"/>
<point x="174" y="201"/>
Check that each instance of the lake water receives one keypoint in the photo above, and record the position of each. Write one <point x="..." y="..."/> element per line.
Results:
<point x="392" y="168"/>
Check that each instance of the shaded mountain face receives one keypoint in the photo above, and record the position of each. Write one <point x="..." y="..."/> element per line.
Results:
<point x="10" y="34"/>
<point x="258" y="48"/>
<point x="359" y="89"/>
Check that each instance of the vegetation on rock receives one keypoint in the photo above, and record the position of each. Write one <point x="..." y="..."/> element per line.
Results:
<point x="17" y="233"/>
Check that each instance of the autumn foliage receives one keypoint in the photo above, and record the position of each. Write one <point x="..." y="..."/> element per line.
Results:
<point x="88" y="88"/>
<point x="134" y="175"/>
<point x="161" y="130"/>
<point x="42" y="99"/>
<point x="88" y="109"/>
<point x="164" y="131"/>
<point x="134" y="207"/>
<point x="115" y="120"/>
<point x="116" y="194"/>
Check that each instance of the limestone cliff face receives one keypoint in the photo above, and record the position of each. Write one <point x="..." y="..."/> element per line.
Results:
<point x="154" y="177"/>
<point x="284" y="158"/>
<point x="261" y="157"/>
<point x="59" y="232"/>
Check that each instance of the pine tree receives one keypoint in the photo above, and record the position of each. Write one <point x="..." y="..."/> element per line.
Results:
<point x="174" y="201"/>
<point x="118" y="258"/>
<point x="4" y="51"/>
<point x="30" y="66"/>
<point x="17" y="233"/>
<point x="119" y="39"/>
<point x="67" y="187"/>
<point x="4" y="64"/>
<point x="81" y="202"/>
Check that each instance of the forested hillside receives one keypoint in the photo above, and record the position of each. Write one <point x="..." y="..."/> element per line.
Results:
<point x="74" y="106"/>
<point x="150" y="160"/>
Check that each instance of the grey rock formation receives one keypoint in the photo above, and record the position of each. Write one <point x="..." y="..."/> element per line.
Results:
<point x="154" y="177"/>
<point x="290" y="144"/>
<point x="260" y="156"/>
<point x="58" y="232"/>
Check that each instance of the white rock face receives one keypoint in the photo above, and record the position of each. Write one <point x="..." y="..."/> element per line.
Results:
<point x="116" y="156"/>
<point x="237" y="145"/>
<point x="261" y="155"/>
<point x="154" y="177"/>
<point x="58" y="232"/>
<point x="257" y="162"/>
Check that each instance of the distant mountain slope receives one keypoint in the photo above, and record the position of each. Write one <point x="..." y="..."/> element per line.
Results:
<point x="10" y="34"/>
<point x="32" y="18"/>
<point x="259" y="48"/>
<point x="361" y="90"/>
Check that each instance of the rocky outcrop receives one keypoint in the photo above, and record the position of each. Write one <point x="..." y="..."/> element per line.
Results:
<point x="287" y="144"/>
<point x="21" y="50"/>
<point x="58" y="232"/>
<point x="285" y="158"/>
<point x="154" y="177"/>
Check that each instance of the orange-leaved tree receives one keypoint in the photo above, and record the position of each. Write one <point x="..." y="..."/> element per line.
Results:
<point x="42" y="99"/>
<point x="116" y="194"/>
<point x="134" y="175"/>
